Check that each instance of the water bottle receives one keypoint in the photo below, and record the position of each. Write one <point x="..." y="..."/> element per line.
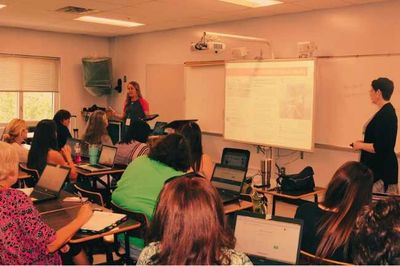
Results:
<point x="77" y="150"/>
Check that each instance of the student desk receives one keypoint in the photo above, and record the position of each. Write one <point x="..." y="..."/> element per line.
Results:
<point x="57" y="213"/>
<point x="61" y="217"/>
<point x="96" y="176"/>
<point x="237" y="206"/>
<point x="293" y="199"/>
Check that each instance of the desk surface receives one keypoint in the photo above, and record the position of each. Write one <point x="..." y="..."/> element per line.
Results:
<point x="237" y="206"/>
<point x="274" y="192"/>
<point x="57" y="213"/>
<point x="99" y="173"/>
<point x="60" y="218"/>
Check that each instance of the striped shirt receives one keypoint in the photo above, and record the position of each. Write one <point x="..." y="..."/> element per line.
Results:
<point x="128" y="152"/>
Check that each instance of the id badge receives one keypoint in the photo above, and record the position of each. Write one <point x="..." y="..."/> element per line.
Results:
<point x="128" y="122"/>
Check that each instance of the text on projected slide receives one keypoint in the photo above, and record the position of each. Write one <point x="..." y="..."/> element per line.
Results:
<point x="270" y="103"/>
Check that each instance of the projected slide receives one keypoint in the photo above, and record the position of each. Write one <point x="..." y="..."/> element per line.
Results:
<point x="270" y="103"/>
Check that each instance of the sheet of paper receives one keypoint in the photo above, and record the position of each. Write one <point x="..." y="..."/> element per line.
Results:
<point x="27" y="190"/>
<point x="101" y="220"/>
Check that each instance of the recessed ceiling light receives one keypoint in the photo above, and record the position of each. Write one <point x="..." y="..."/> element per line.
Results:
<point x="108" y="21"/>
<point x="1" y="6"/>
<point x="253" y="3"/>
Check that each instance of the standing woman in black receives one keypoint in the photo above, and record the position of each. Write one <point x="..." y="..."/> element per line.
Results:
<point x="377" y="149"/>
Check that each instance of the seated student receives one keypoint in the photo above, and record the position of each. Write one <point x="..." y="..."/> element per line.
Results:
<point x="25" y="238"/>
<point x="44" y="149"/>
<point x="133" y="144"/>
<point x="62" y="119"/>
<point x="200" y="162"/>
<point x="144" y="178"/>
<point x="96" y="131"/>
<point x="190" y="227"/>
<point x="328" y="225"/>
<point x="15" y="133"/>
<point x="377" y="234"/>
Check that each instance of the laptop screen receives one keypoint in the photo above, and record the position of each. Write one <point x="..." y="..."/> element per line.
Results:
<point x="107" y="155"/>
<point x="84" y="147"/>
<point x="228" y="178"/>
<point x="236" y="158"/>
<point x="159" y="128"/>
<point x="52" y="178"/>
<point x="273" y="240"/>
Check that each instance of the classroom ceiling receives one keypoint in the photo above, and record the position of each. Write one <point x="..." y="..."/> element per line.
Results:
<point x="155" y="14"/>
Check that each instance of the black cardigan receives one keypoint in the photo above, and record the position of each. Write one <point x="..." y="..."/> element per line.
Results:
<point x="381" y="131"/>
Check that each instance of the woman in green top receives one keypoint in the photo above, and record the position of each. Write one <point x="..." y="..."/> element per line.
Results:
<point x="143" y="179"/>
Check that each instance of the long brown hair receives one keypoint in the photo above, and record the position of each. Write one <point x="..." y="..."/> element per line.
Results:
<point x="139" y="93"/>
<point x="96" y="128"/>
<point x="192" y="133"/>
<point x="349" y="190"/>
<point x="190" y="223"/>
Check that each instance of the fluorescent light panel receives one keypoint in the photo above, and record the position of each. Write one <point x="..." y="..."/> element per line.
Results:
<point x="1" y="6"/>
<point x="108" y="21"/>
<point x="243" y="37"/>
<point x="253" y="3"/>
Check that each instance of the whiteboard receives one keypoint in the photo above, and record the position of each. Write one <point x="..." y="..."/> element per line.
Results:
<point x="270" y="103"/>
<point x="204" y="96"/>
<point x="343" y="106"/>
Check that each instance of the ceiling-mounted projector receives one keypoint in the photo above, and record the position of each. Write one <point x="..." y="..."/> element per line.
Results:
<point x="216" y="47"/>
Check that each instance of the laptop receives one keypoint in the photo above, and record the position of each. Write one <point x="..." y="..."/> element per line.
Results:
<point x="228" y="180"/>
<point x="83" y="144"/>
<point x="159" y="129"/>
<point x="274" y="241"/>
<point x="106" y="160"/>
<point x="235" y="157"/>
<point x="50" y="183"/>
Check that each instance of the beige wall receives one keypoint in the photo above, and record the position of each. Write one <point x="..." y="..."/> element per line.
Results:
<point x="371" y="28"/>
<point x="70" y="48"/>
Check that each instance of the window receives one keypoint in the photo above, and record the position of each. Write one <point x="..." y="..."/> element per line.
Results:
<point x="28" y="87"/>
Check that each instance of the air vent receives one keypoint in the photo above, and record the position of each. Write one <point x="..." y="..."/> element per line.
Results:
<point x="74" y="10"/>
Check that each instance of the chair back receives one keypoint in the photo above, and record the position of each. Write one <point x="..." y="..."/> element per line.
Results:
<point x="34" y="175"/>
<point x="92" y="196"/>
<point x="137" y="216"/>
<point x="311" y="259"/>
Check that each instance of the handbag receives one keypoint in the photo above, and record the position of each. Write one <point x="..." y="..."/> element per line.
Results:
<point x="300" y="183"/>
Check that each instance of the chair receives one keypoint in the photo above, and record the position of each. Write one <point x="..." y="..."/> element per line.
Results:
<point x="92" y="196"/>
<point x="235" y="157"/>
<point x="308" y="258"/>
<point x="139" y="232"/>
<point x="30" y="181"/>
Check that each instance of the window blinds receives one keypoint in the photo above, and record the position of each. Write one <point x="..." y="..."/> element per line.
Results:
<point x="25" y="73"/>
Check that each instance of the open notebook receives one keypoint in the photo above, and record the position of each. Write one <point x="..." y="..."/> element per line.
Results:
<point x="103" y="221"/>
